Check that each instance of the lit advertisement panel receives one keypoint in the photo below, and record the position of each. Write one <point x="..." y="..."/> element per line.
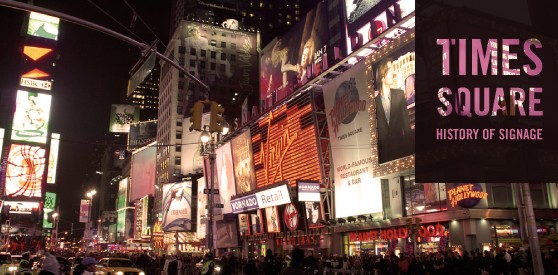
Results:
<point x="121" y="223"/>
<point x="191" y="160"/>
<point x="177" y="206"/>
<point x="36" y="53"/>
<point x="143" y="172"/>
<point x="257" y="223"/>
<point x="225" y="174"/>
<point x="202" y="211"/>
<point x="244" y="175"/>
<point x="1" y="139"/>
<point x="24" y="171"/>
<point x="141" y="134"/>
<point x="84" y="210"/>
<point x="48" y="207"/>
<point x="138" y="225"/>
<point x="296" y="58"/>
<point x="21" y="207"/>
<point x="42" y="25"/>
<point x="31" y="117"/>
<point x="35" y="83"/>
<point x="53" y="158"/>
<point x="122" y="198"/>
<point x="284" y="145"/>
<point x="272" y="219"/>
<point x="314" y="214"/>
<point x="384" y="14"/>
<point x="308" y="191"/>
<point x="348" y="116"/>
<point x="121" y="116"/>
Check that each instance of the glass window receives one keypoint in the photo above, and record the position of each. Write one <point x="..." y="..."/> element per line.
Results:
<point x="203" y="53"/>
<point x="233" y="58"/>
<point x="233" y="46"/>
<point x="500" y="195"/>
<point x="212" y="67"/>
<point x="539" y="195"/>
<point x="424" y="197"/>
<point x="223" y="44"/>
<point x="213" y="43"/>
<point x="213" y="55"/>
<point x="193" y="51"/>
<point x="223" y="56"/>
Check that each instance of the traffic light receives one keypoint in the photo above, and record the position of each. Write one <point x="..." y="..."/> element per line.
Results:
<point x="216" y="118"/>
<point x="196" y="118"/>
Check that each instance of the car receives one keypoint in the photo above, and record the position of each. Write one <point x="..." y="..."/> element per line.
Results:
<point x="7" y="265"/>
<point x="117" y="266"/>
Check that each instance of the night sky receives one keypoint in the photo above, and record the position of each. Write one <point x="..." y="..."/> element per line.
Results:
<point x="91" y="74"/>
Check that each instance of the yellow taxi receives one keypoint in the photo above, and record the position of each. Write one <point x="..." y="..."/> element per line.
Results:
<point x="117" y="266"/>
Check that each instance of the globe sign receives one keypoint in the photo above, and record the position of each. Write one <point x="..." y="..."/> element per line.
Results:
<point x="290" y="216"/>
<point x="471" y="202"/>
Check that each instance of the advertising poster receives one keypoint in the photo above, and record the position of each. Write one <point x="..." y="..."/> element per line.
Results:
<point x="291" y="216"/>
<point x="141" y="134"/>
<point x="42" y="25"/>
<point x="48" y="208"/>
<point x="129" y="231"/>
<point x="226" y="234"/>
<point x="122" y="116"/>
<point x="225" y="174"/>
<point x="202" y="211"/>
<point x="24" y="171"/>
<point x="256" y="222"/>
<point x="121" y="224"/>
<point x="308" y="191"/>
<point x="53" y="158"/>
<point x="395" y="101"/>
<point x="122" y="198"/>
<point x="31" y="117"/>
<point x="191" y="160"/>
<point x="285" y="146"/>
<point x="143" y="172"/>
<point x="272" y="219"/>
<point x="244" y="224"/>
<point x="243" y="163"/>
<point x="138" y="225"/>
<point x="297" y="57"/>
<point x="347" y="103"/>
<point x="314" y="214"/>
<point x="84" y="210"/>
<point x="177" y="206"/>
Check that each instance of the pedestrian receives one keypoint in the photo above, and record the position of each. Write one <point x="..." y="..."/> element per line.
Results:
<point x="50" y="265"/>
<point x="296" y="266"/>
<point x="86" y="267"/>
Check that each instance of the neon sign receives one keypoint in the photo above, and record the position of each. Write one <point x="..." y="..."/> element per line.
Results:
<point x="466" y="195"/>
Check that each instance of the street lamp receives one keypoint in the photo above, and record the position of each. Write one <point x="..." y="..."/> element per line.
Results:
<point x="90" y="195"/>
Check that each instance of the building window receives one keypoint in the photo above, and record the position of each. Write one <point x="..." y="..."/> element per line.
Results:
<point x="192" y="51"/>
<point x="178" y="135"/>
<point x="223" y="56"/>
<point x="233" y="46"/>
<point x="177" y="161"/>
<point x="181" y="61"/>
<point x="203" y="53"/>
<point x="213" y="54"/>
<point x="192" y="63"/>
<point x="182" y="49"/>
<point x="222" y="67"/>
<point x="233" y="58"/>
<point x="212" y="66"/>
<point x="223" y="44"/>
<point x="213" y="43"/>
<point x="424" y="197"/>
<point x="202" y="65"/>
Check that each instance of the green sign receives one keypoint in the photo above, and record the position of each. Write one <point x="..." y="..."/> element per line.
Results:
<point x="48" y="208"/>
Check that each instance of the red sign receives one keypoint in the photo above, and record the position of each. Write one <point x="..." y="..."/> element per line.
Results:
<point x="291" y="217"/>
<point x="424" y="231"/>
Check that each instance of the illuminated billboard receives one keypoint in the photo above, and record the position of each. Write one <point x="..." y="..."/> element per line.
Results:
<point x="84" y="208"/>
<point x="191" y="160"/>
<point x="42" y="25"/>
<point x="245" y="177"/>
<point x="308" y="191"/>
<point x="272" y="219"/>
<point x="142" y="134"/>
<point x="201" y="216"/>
<point x="31" y="117"/>
<point x="314" y="214"/>
<point x="257" y="223"/>
<point x="225" y="175"/>
<point x="177" y="208"/>
<point x="53" y="157"/>
<point x="48" y="208"/>
<point x="122" y="196"/>
<point x="367" y="20"/>
<point x="36" y="53"/>
<point x="1" y="139"/>
<point x="24" y="171"/>
<point x="121" y="116"/>
<point x="297" y="57"/>
<point x="347" y="104"/>
<point x="284" y="144"/>
<point x="21" y="207"/>
<point x="142" y="179"/>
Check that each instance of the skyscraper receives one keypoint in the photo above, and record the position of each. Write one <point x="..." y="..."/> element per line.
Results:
<point x="146" y="95"/>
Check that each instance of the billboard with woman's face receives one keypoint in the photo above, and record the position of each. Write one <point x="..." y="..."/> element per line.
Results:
<point x="177" y="206"/>
<point x="314" y="214"/>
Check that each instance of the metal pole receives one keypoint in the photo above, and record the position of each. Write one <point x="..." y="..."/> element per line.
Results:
<point x="532" y="230"/>
<point x="212" y="158"/>
<point x="56" y="232"/>
<point x="520" y="211"/>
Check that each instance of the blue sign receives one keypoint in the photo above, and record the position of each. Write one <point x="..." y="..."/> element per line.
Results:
<point x="244" y="204"/>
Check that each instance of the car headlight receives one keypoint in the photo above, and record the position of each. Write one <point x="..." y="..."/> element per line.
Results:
<point x="141" y="273"/>
<point x="119" y="273"/>
<point x="12" y="268"/>
<point x="218" y="268"/>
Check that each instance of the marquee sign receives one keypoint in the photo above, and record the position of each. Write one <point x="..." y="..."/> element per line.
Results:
<point x="466" y="195"/>
<point x="424" y="231"/>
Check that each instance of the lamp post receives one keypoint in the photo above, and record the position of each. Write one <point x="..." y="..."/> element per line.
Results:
<point x="53" y="242"/>
<point x="90" y="195"/>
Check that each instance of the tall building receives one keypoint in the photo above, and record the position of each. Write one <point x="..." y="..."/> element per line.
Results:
<point x="269" y="17"/>
<point x="146" y="95"/>
<point x="224" y="59"/>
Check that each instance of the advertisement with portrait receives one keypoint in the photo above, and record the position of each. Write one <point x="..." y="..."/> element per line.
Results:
<point x="201" y="217"/>
<point x="272" y="219"/>
<point x="49" y="206"/>
<point x="191" y="159"/>
<point x="225" y="174"/>
<point x="314" y="214"/>
<point x="53" y="157"/>
<point x="177" y="206"/>
<point x="42" y="25"/>
<point x="394" y="90"/>
<point x="297" y="57"/>
<point x="291" y="216"/>
<point x="369" y="19"/>
<point x="243" y="162"/>
<point x="24" y="171"/>
<point x="141" y="134"/>
<point x="347" y="102"/>
<point x="285" y="145"/>
<point x="121" y="116"/>
<point x="31" y="117"/>
<point x="244" y="224"/>
<point x="226" y="234"/>
<point x="142" y="181"/>
<point x="257" y="223"/>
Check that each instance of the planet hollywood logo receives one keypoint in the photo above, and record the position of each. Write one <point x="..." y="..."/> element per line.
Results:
<point x="347" y="104"/>
<point x="291" y="217"/>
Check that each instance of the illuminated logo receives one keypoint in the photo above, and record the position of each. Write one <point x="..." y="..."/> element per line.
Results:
<point x="35" y="73"/>
<point x="35" y="53"/>
<point x="34" y="83"/>
<point x="274" y="153"/>
<point x="466" y="195"/>
<point x="291" y="217"/>
<point x="347" y="104"/>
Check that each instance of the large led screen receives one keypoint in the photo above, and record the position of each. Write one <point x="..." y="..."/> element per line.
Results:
<point x="142" y="134"/>
<point x="243" y="163"/>
<point x="284" y="144"/>
<point x="53" y="157"/>
<point x="42" y="25"/>
<point x="394" y="90"/>
<point x="24" y="171"/>
<point x="177" y="206"/>
<point x="225" y="175"/>
<point x="31" y="117"/>
<point x="369" y="19"/>
<point x="347" y="105"/>
<point x="143" y="172"/>
<point x="48" y="208"/>
<point x="121" y="116"/>
<point x="191" y="160"/>
<point x="297" y="57"/>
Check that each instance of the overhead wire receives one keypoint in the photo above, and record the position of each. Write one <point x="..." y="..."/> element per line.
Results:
<point x="136" y="14"/>
<point x="116" y="21"/>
